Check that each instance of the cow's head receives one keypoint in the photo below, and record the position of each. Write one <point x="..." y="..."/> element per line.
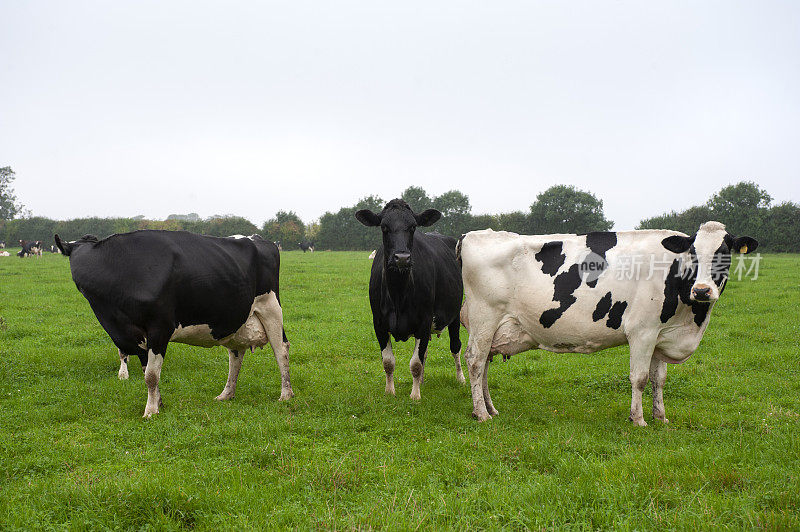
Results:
<point x="710" y="251"/>
<point x="398" y="223"/>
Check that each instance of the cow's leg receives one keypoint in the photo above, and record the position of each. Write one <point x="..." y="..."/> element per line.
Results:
<point x="152" y="374"/>
<point x="658" y="375"/>
<point x="417" y="365"/>
<point x="641" y="355"/>
<point x="272" y="321"/>
<point x="234" y="364"/>
<point x="385" y="343"/>
<point x="486" y="397"/>
<point x="476" y="357"/>
<point x="455" y="349"/>
<point x="123" y="366"/>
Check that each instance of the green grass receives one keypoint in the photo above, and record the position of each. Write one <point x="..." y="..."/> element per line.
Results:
<point x="76" y="453"/>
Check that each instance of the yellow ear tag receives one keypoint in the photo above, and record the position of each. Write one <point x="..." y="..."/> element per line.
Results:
<point x="743" y="249"/>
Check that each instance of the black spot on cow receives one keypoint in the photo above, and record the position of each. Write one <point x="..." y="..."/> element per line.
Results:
<point x="615" y="314"/>
<point x="551" y="257"/>
<point x="564" y="285"/>
<point x="602" y="308"/>
<point x="599" y="242"/>
<point x="670" y="306"/>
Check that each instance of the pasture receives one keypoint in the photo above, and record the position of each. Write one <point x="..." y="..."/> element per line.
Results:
<point x="76" y="452"/>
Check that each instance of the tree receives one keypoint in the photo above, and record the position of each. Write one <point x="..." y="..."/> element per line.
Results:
<point x="417" y="198"/>
<point x="455" y="209"/>
<point x="8" y="201"/>
<point x="741" y="207"/>
<point x="286" y="228"/>
<point x="565" y="209"/>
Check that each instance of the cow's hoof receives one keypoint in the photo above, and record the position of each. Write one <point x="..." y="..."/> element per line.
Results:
<point x="482" y="416"/>
<point x="492" y="411"/>
<point x="661" y="419"/>
<point x="639" y="422"/>
<point x="416" y="396"/>
<point x="286" y="395"/>
<point x="460" y="378"/>
<point x="390" y="390"/>
<point x="224" y="396"/>
<point x="149" y="411"/>
<point x="123" y="375"/>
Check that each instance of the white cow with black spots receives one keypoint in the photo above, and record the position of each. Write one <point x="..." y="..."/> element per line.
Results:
<point x="582" y="293"/>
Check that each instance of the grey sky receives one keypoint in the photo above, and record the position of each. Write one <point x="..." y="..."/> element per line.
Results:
<point x="125" y="108"/>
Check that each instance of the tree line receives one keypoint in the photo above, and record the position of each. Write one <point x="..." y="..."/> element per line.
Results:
<point x="744" y="208"/>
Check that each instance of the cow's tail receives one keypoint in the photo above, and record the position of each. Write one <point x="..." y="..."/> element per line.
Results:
<point x="65" y="247"/>
<point x="458" y="249"/>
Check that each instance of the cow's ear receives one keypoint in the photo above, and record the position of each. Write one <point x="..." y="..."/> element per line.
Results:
<point x="428" y="217"/>
<point x="744" y="244"/>
<point x="368" y="218"/>
<point x="678" y="243"/>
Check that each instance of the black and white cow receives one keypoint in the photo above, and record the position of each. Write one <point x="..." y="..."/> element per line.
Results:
<point x="149" y="288"/>
<point x="529" y="292"/>
<point x="30" y="248"/>
<point x="2" y="244"/>
<point x="415" y="287"/>
<point x="305" y="245"/>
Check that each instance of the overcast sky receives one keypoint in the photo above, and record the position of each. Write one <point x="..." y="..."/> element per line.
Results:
<point x="126" y="108"/>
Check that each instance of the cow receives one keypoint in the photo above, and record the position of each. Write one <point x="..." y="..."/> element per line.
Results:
<point x="415" y="287"/>
<point x="563" y="293"/>
<point x="2" y="244"/>
<point x="5" y="254"/>
<point x="372" y="255"/>
<point x="149" y="288"/>
<point x="305" y="245"/>
<point x="54" y="249"/>
<point x="278" y="245"/>
<point x="30" y="248"/>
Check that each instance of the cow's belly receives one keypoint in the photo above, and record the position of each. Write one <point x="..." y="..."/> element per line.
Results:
<point x="251" y="334"/>
<point x="515" y="336"/>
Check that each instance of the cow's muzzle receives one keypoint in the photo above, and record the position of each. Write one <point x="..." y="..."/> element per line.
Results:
<point x="401" y="261"/>
<point x="703" y="294"/>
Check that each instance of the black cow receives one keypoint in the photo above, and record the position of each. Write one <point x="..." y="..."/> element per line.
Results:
<point x="149" y="288"/>
<point x="415" y="287"/>
<point x="305" y="245"/>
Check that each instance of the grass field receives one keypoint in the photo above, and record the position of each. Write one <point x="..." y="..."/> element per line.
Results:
<point x="77" y="454"/>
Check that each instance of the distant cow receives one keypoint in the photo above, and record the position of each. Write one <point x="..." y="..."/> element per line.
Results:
<point x="5" y="254"/>
<point x="372" y="255"/>
<point x="415" y="287"/>
<point x="2" y="244"/>
<point x="54" y="249"/>
<point x="306" y="246"/>
<point x="563" y="293"/>
<point x="149" y="288"/>
<point x="278" y="245"/>
<point x="30" y="248"/>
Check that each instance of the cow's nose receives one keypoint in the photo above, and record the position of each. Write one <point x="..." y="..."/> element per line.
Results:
<point x="702" y="293"/>
<point x="402" y="259"/>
